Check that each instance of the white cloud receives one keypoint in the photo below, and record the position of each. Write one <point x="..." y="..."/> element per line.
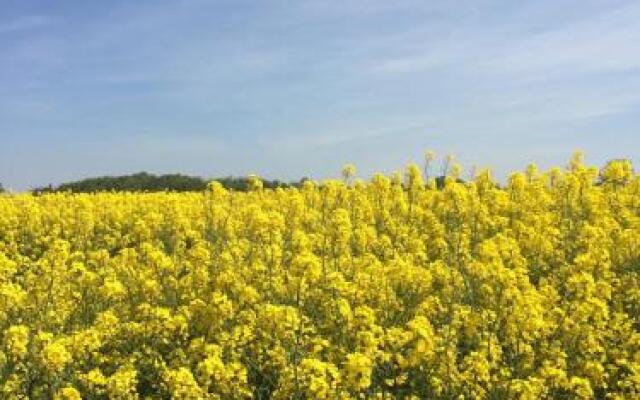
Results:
<point x="604" y="43"/>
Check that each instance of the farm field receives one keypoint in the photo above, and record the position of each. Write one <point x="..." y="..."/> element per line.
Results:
<point x="391" y="288"/>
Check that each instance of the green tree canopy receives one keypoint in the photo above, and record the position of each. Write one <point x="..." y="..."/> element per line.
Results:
<point x="146" y="182"/>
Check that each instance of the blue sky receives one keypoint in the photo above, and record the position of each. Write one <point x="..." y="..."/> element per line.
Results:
<point x="298" y="88"/>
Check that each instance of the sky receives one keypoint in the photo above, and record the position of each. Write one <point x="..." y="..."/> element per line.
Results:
<point x="287" y="89"/>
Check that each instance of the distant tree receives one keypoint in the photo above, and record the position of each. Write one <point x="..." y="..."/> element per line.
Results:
<point x="139" y="182"/>
<point x="301" y="181"/>
<point x="145" y="182"/>
<point x="440" y="181"/>
<point x="43" y="190"/>
<point x="1" y="188"/>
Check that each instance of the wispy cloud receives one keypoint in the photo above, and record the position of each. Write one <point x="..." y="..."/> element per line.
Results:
<point x="25" y="23"/>
<point x="602" y="43"/>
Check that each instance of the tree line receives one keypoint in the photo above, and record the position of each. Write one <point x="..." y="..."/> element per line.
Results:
<point x="146" y="182"/>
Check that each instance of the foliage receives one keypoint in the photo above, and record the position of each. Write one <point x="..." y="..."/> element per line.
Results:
<point x="145" y="182"/>
<point x="346" y="290"/>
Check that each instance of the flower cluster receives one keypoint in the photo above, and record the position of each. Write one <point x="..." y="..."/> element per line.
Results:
<point x="400" y="287"/>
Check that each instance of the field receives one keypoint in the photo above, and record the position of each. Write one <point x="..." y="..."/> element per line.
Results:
<point x="389" y="288"/>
